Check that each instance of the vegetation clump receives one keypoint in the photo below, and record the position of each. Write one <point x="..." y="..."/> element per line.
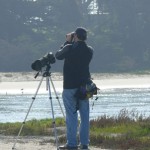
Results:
<point x="32" y="127"/>
<point x="128" y="130"/>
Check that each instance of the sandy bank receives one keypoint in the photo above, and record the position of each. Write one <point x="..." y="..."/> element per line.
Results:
<point x="24" y="82"/>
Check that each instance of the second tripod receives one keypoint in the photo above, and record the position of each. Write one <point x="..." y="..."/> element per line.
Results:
<point x="49" y="83"/>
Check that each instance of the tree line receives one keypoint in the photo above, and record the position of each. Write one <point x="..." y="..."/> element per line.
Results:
<point x="119" y="32"/>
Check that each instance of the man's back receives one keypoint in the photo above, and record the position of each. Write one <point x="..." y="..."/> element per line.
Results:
<point x="76" y="65"/>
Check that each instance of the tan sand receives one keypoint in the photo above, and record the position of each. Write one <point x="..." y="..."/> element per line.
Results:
<point x="30" y="143"/>
<point x="26" y="85"/>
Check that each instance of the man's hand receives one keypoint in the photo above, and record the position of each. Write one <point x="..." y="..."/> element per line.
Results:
<point x="70" y="37"/>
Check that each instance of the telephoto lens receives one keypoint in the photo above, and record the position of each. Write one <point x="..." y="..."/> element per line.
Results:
<point x="37" y="65"/>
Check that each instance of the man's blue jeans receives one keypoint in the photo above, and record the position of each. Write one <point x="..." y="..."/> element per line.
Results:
<point x="70" y="104"/>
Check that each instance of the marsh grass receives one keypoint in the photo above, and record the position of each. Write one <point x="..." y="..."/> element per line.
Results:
<point x="32" y="127"/>
<point x="127" y="130"/>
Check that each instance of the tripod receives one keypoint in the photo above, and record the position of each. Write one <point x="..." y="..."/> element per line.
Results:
<point x="46" y="75"/>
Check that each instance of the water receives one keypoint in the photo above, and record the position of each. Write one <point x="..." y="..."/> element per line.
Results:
<point x="14" y="108"/>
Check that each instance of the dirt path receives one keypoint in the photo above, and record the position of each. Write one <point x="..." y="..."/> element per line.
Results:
<point x="30" y="143"/>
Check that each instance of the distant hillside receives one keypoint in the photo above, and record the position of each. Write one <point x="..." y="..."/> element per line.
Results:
<point x="119" y="32"/>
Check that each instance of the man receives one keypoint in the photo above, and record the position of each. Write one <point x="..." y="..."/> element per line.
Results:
<point x="77" y="56"/>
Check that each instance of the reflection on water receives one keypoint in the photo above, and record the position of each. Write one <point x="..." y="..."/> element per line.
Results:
<point x="15" y="107"/>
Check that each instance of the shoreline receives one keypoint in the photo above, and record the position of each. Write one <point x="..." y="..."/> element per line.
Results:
<point x="17" y="83"/>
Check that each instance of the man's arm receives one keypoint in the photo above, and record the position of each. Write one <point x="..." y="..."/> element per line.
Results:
<point x="62" y="53"/>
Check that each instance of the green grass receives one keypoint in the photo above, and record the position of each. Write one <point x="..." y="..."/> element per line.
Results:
<point x="127" y="130"/>
<point x="32" y="127"/>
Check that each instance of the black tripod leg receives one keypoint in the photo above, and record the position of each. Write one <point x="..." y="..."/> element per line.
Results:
<point x="54" y="124"/>
<point x="23" y="123"/>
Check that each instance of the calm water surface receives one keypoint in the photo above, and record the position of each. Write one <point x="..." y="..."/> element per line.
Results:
<point x="15" y="107"/>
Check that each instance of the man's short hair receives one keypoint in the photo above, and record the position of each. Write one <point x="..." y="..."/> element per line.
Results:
<point x="81" y="33"/>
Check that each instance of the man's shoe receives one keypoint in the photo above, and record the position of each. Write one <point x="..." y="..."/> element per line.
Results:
<point x="67" y="147"/>
<point x="84" y="147"/>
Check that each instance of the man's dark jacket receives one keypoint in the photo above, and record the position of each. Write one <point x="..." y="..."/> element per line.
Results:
<point x="77" y="57"/>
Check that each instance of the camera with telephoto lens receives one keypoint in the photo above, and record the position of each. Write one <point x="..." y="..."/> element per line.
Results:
<point x="48" y="59"/>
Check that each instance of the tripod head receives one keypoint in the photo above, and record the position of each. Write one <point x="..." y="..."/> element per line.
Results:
<point x="46" y="73"/>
